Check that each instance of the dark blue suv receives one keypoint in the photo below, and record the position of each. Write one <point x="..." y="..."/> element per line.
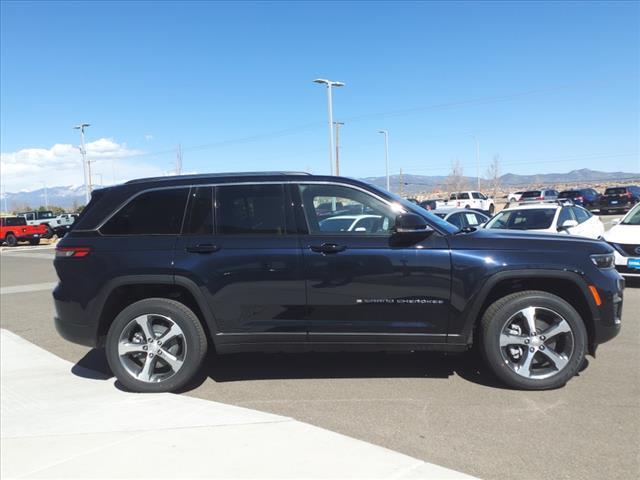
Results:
<point x="585" y="197"/>
<point x="158" y="270"/>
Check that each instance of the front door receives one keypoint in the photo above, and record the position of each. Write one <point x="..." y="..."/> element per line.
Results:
<point x="247" y="261"/>
<point x="362" y="278"/>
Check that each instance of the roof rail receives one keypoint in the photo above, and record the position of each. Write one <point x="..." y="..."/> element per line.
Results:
<point x="208" y="175"/>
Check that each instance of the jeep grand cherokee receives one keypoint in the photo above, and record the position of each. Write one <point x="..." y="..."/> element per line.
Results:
<point x="158" y="270"/>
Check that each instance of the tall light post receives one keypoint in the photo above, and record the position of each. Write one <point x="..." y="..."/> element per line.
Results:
<point x="475" y="139"/>
<point x="46" y="197"/>
<point x="386" y="156"/>
<point x="338" y="125"/>
<point x="330" y="84"/>
<point x="85" y="164"/>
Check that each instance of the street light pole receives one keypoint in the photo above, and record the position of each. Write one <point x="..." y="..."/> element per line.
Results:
<point x="386" y="155"/>
<point x="477" y="159"/>
<point x="85" y="164"/>
<point x="338" y="125"/>
<point x="46" y="198"/>
<point x="330" y="84"/>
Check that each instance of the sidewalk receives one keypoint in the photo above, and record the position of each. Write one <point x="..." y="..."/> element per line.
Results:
<point x="56" y="424"/>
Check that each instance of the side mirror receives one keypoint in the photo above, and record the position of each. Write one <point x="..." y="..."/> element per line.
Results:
<point x="411" y="223"/>
<point x="567" y="224"/>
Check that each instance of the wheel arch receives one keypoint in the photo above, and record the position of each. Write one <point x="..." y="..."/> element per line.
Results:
<point x="570" y="286"/>
<point x="123" y="291"/>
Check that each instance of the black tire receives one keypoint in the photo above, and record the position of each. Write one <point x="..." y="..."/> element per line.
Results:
<point x="11" y="240"/>
<point x="467" y="206"/>
<point x="604" y="211"/>
<point x="491" y="209"/>
<point x="194" y="336"/>
<point x="34" y="241"/>
<point x="501" y="311"/>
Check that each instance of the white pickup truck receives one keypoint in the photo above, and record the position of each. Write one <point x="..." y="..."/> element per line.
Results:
<point x="58" y="225"/>
<point x="471" y="199"/>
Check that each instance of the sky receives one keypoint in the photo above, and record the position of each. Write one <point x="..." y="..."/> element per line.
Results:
<point x="546" y="86"/>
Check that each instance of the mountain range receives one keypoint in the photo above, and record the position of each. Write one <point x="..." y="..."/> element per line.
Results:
<point x="70" y="196"/>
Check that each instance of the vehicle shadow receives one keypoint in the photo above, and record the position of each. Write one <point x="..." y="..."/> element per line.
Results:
<point x="292" y="366"/>
<point x="93" y="365"/>
<point x="278" y="366"/>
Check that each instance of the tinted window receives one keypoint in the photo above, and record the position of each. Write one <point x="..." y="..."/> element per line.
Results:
<point x="532" y="194"/>
<point x="456" y="219"/>
<point x="476" y="195"/>
<point x="581" y="214"/>
<point x="570" y="194"/>
<point x="251" y="209"/>
<point x="14" y="221"/>
<point x="463" y="196"/>
<point x="158" y="212"/>
<point x="337" y="209"/>
<point x="199" y="220"/>
<point x="615" y="191"/>
<point x="565" y="214"/>
<point x="529" y="219"/>
<point x="474" y="219"/>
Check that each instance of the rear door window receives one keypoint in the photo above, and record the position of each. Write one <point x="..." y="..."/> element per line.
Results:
<point x="565" y="214"/>
<point x="581" y="214"/>
<point x="157" y="212"/>
<point x="251" y="210"/>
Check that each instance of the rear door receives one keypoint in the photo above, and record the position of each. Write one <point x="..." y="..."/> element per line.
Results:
<point x="371" y="283"/>
<point x="246" y="260"/>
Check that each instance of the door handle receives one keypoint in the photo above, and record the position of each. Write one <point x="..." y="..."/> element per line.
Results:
<point x="327" y="248"/>
<point x="202" y="248"/>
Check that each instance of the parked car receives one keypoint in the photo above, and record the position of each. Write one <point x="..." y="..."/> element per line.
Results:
<point x="564" y="219"/>
<point x="619" y="198"/>
<point x="585" y="197"/>
<point x="625" y="239"/>
<point x="52" y="223"/>
<point x="149" y="275"/>
<point x="538" y="196"/>
<point x="471" y="199"/>
<point x="433" y="204"/>
<point x="16" y="229"/>
<point x="462" y="217"/>
<point x="514" y="197"/>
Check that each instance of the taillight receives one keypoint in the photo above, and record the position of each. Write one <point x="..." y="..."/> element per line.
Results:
<point x="540" y="198"/>
<point x="579" y="199"/>
<point x="75" y="252"/>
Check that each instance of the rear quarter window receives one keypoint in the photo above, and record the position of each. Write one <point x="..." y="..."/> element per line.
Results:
<point x="158" y="212"/>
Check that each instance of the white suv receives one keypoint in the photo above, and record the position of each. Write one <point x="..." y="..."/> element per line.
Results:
<point x="471" y="199"/>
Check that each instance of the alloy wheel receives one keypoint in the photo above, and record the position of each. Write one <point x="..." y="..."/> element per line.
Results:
<point x="536" y="342"/>
<point x="152" y="348"/>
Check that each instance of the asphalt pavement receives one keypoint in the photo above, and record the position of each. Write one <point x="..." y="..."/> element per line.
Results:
<point x="443" y="409"/>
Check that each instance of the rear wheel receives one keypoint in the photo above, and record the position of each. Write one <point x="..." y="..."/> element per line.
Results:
<point x="533" y="340"/>
<point x="11" y="240"/>
<point x="48" y="231"/>
<point x="34" y="241"/>
<point x="491" y="209"/>
<point x="155" y="345"/>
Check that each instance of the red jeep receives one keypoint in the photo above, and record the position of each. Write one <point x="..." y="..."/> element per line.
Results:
<point x="15" y="229"/>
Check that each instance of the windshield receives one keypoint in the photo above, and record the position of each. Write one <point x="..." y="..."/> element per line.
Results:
<point x="46" y="215"/>
<point x="615" y="191"/>
<point x="529" y="219"/>
<point x="412" y="207"/>
<point x="633" y="217"/>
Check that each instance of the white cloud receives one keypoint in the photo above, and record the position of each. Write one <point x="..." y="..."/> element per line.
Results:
<point x="148" y="137"/>
<point x="62" y="165"/>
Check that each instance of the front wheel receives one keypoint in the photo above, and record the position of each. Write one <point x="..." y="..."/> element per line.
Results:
<point x="155" y="345"/>
<point x="491" y="209"/>
<point x="533" y="340"/>
<point x="34" y="241"/>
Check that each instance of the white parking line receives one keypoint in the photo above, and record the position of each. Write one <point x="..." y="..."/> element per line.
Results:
<point x="32" y="287"/>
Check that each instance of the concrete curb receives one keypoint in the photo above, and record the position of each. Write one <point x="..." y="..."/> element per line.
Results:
<point x="57" y="424"/>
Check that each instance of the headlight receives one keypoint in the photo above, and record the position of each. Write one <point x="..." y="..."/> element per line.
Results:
<point x="605" y="260"/>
